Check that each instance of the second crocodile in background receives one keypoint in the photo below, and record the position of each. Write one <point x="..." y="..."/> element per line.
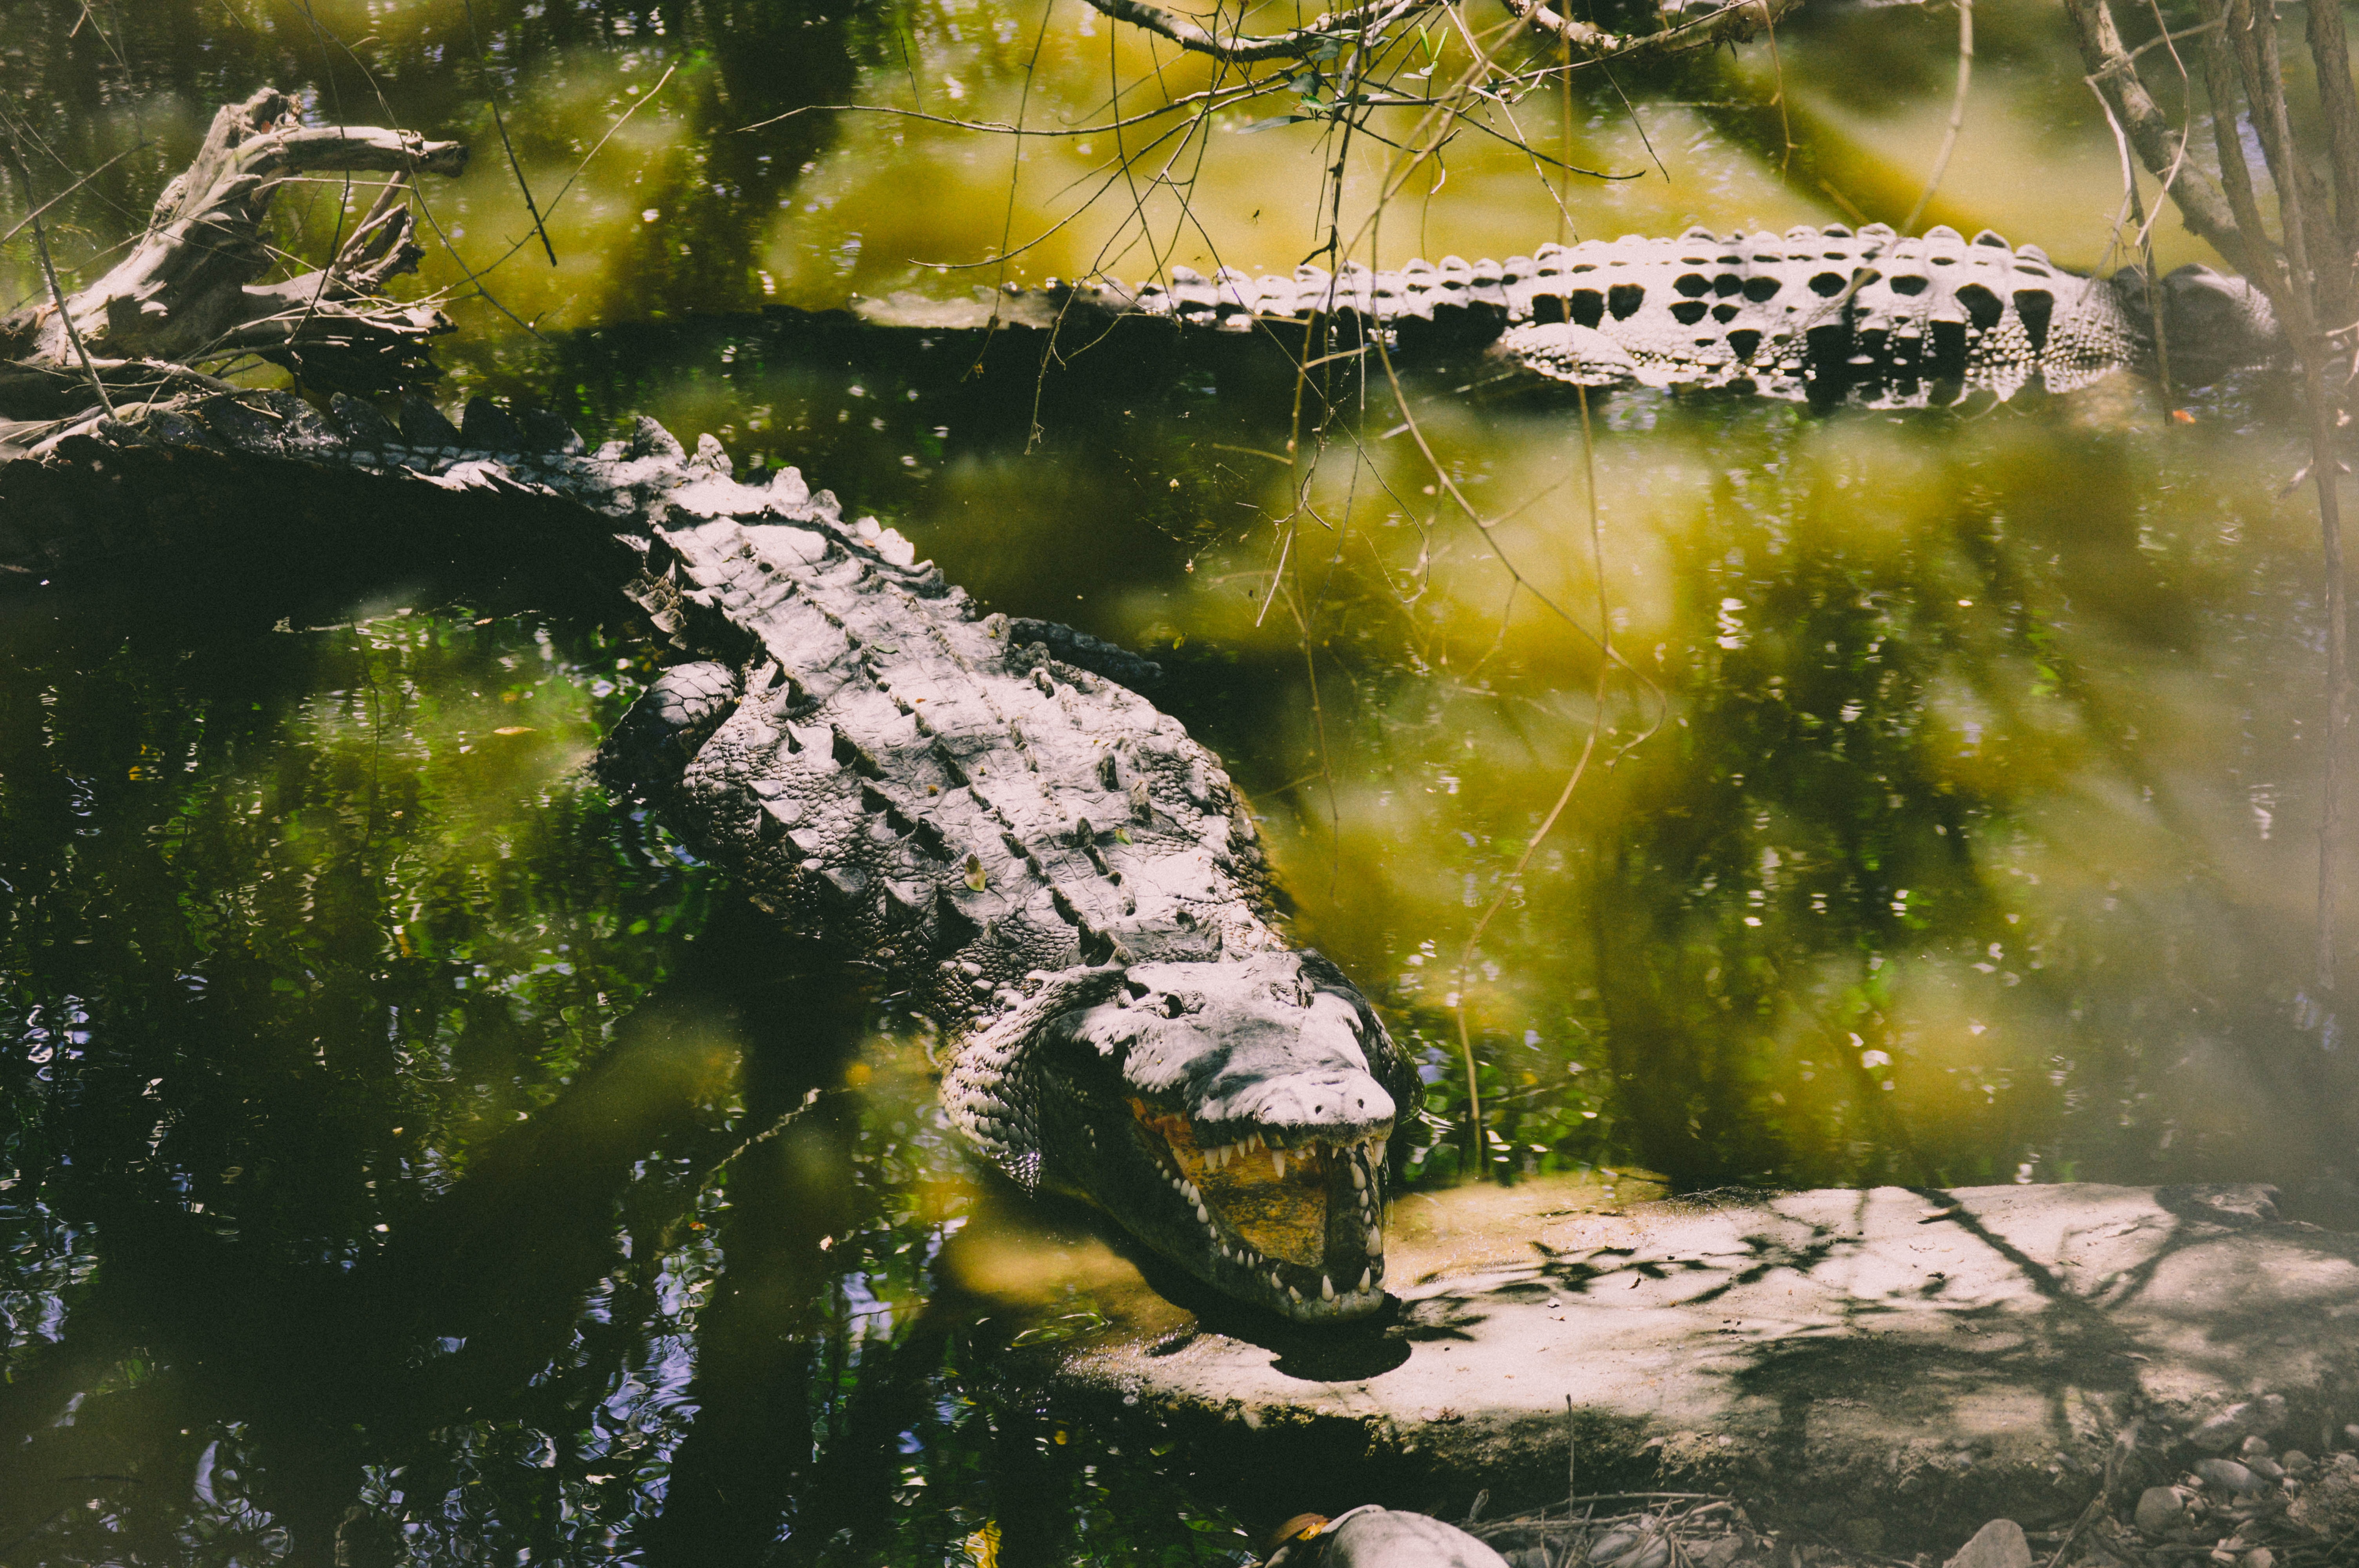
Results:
<point x="1823" y="315"/>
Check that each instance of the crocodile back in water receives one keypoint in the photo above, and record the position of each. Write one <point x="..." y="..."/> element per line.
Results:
<point x="1825" y="315"/>
<point x="1028" y="852"/>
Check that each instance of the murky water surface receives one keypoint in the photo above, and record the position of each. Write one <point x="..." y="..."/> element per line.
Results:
<point x="409" y="1153"/>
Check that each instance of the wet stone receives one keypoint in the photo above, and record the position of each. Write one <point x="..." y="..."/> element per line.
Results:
<point x="2240" y="1420"/>
<point x="2159" y="1508"/>
<point x="1998" y="1544"/>
<point x="2226" y="1475"/>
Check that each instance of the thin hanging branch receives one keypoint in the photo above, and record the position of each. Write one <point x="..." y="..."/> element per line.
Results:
<point x="1369" y="25"/>
<point x="1732" y="23"/>
<point x="2201" y="203"/>
<point x="1240" y="49"/>
<point x="1957" y="115"/>
<point x="500" y="125"/>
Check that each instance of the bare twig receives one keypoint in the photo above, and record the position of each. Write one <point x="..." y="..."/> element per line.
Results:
<point x="501" y="125"/>
<point x="1957" y="115"/>
<point x="1240" y="49"/>
<point x="2200" y="199"/>
<point x="1729" y="23"/>
<point x="28" y="220"/>
<point x="1366" y="25"/>
<point x="56" y="294"/>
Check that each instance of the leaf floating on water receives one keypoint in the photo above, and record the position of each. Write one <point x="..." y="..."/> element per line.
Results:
<point x="513" y="730"/>
<point x="975" y="877"/>
<point x="1064" y="1328"/>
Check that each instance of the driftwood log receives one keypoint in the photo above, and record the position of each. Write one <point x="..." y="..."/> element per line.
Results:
<point x="188" y="297"/>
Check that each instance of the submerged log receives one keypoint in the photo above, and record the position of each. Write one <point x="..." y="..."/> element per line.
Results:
<point x="188" y="297"/>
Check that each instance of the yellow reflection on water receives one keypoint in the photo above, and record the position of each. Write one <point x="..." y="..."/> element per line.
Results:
<point x="1936" y="824"/>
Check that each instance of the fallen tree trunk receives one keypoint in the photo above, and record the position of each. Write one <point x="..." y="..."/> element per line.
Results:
<point x="187" y="297"/>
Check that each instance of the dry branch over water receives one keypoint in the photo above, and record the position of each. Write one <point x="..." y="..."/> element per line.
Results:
<point x="1366" y="26"/>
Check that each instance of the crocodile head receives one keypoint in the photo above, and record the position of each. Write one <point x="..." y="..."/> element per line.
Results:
<point x="1233" y="1116"/>
<point x="2214" y="323"/>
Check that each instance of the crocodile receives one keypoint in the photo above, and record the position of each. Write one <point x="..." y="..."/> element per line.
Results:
<point x="1821" y="315"/>
<point x="1030" y="854"/>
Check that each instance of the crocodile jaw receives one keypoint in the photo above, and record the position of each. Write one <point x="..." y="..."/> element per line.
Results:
<point x="1258" y="1156"/>
<point x="1296" y="1227"/>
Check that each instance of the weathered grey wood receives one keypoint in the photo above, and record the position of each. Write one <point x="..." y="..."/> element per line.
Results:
<point x="186" y="296"/>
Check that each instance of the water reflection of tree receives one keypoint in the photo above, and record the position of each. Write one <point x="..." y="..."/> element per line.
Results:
<point x="1929" y="705"/>
<point x="95" y="81"/>
<point x="299" y="945"/>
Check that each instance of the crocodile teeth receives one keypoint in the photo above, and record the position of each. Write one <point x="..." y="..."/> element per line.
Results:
<point x="1359" y="1178"/>
<point x="1291" y="1293"/>
<point x="1203" y="1215"/>
<point x="1277" y="1158"/>
<point x="1365" y="1278"/>
<point x="1375" y="1240"/>
<point x="1326" y="1289"/>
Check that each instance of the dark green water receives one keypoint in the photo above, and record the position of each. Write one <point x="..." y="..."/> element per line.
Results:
<point x="385" y="1108"/>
